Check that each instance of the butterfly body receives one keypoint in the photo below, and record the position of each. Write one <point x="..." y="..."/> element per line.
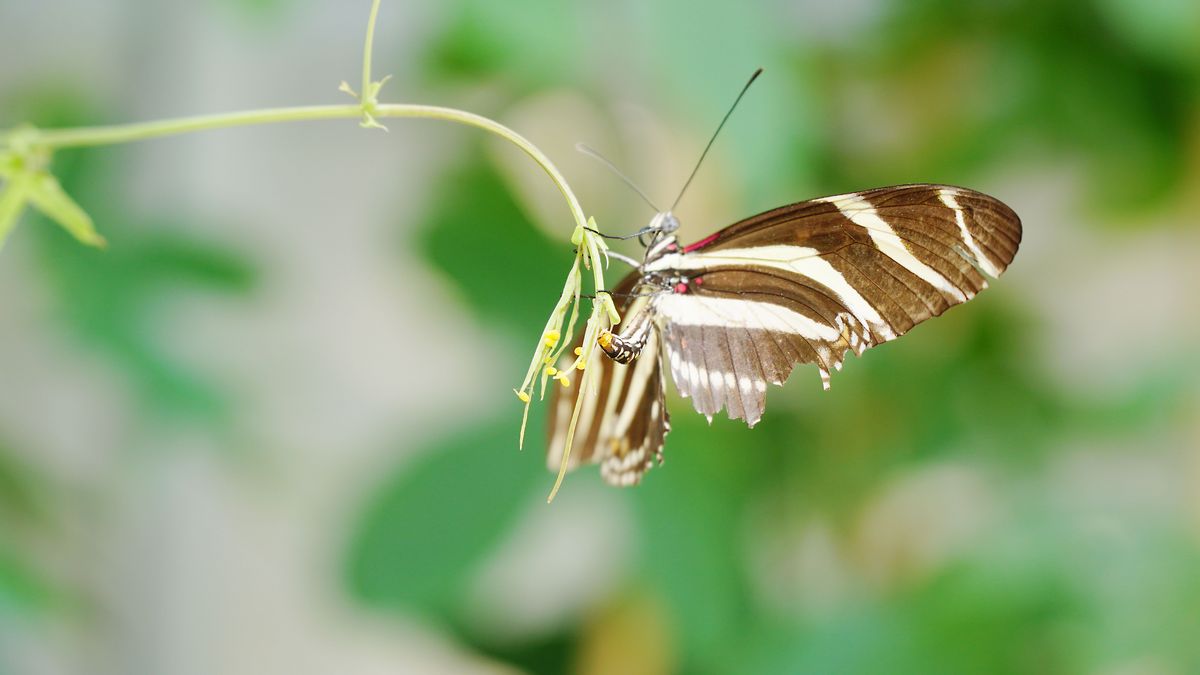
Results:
<point x="741" y="308"/>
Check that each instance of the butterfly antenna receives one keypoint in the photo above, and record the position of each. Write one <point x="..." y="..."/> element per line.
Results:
<point x="613" y="167"/>
<point x="714" y="136"/>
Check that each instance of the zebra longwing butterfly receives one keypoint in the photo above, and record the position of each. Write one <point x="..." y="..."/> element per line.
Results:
<point x="738" y="310"/>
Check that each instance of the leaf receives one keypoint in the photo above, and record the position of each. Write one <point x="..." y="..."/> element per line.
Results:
<point x="112" y="304"/>
<point x="48" y="196"/>
<point x="24" y="491"/>
<point x="258" y="12"/>
<point x="432" y="523"/>
<point x="23" y="588"/>
<point x="10" y="164"/>
<point x="477" y="235"/>
<point x="691" y="516"/>
<point x="12" y="203"/>
<point x="27" y="500"/>
<point x="487" y="39"/>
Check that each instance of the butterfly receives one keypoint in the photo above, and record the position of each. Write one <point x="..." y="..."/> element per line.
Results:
<point x="739" y="309"/>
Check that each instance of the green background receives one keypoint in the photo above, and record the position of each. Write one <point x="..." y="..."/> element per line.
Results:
<point x="270" y="428"/>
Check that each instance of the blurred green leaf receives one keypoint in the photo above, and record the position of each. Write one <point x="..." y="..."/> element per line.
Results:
<point x="268" y="12"/>
<point x="1165" y="30"/>
<point x="22" y="490"/>
<point x="429" y="526"/>
<point x="477" y="236"/>
<point x="48" y="197"/>
<point x="26" y="505"/>
<point x="973" y="619"/>
<point x="14" y="193"/>
<point x="10" y="163"/>
<point x="536" y="42"/>
<point x="110" y="301"/>
<point x="23" y="590"/>
<point x="691" y="512"/>
<point x="1001" y="76"/>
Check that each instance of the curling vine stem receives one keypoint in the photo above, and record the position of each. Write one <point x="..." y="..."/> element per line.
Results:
<point x="56" y="139"/>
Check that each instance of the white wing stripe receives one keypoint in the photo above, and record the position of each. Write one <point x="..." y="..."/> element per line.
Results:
<point x="861" y="213"/>
<point x="947" y="197"/>
<point x="616" y="386"/>
<point x="801" y="260"/>
<point x="702" y="310"/>
<point x="643" y="369"/>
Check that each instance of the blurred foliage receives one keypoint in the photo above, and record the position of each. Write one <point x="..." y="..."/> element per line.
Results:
<point x="24" y="497"/>
<point x="110" y="304"/>
<point x="1060" y="76"/>
<point x="110" y="299"/>
<point x="477" y="244"/>
<point x="264" y="13"/>
<point x="951" y="91"/>
<point x="484" y="40"/>
<point x="434" y="521"/>
<point x="22" y="589"/>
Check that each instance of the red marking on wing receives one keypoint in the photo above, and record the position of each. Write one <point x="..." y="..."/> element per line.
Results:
<point x="702" y="243"/>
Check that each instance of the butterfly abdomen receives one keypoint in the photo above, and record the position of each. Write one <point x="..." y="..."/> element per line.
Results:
<point x="627" y="346"/>
<point x="620" y="349"/>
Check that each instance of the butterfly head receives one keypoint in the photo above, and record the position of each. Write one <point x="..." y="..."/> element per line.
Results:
<point x="663" y="222"/>
<point x="661" y="229"/>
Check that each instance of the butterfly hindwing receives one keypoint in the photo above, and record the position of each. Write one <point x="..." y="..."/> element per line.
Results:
<point x="623" y="419"/>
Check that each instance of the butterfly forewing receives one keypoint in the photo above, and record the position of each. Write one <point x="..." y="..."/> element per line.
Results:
<point x="808" y="282"/>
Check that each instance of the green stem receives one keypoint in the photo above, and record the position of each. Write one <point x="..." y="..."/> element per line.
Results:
<point x="368" y="47"/>
<point x="77" y="137"/>
<point x="55" y="139"/>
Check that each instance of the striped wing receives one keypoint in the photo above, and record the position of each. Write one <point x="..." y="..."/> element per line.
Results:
<point x="808" y="282"/>
<point x="624" y="419"/>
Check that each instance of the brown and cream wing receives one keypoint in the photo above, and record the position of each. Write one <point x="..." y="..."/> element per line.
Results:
<point x="623" y="418"/>
<point x="808" y="282"/>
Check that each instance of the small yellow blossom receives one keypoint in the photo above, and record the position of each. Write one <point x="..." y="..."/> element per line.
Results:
<point x="591" y="253"/>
